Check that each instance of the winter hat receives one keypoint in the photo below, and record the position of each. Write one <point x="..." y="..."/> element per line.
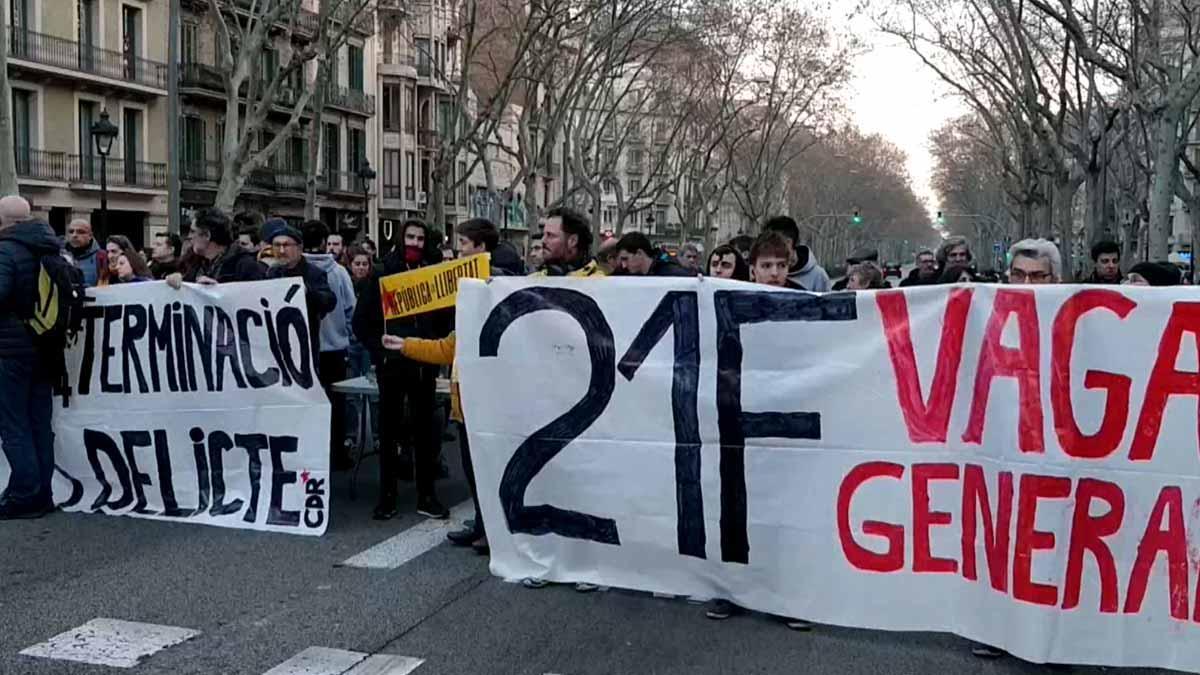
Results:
<point x="278" y="227"/>
<point x="1158" y="274"/>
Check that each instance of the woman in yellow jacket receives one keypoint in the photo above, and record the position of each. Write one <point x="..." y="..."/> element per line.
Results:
<point x="441" y="353"/>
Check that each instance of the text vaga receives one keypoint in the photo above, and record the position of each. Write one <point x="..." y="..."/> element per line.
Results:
<point x="133" y="463"/>
<point x="147" y="348"/>
<point x="1007" y="507"/>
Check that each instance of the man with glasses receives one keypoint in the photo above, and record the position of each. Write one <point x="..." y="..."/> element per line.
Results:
<point x="287" y="242"/>
<point x="220" y="261"/>
<point x="1034" y="261"/>
<point x="925" y="273"/>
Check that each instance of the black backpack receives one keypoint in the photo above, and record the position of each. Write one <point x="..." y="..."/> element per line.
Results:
<point x="56" y="316"/>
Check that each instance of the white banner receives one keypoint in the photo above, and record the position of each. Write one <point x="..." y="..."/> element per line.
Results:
<point x="1016" y="466"/>
<point x="200" y="405"/>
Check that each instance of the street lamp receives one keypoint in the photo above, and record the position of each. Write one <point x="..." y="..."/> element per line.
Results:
<point x="366" y="174"/>
<point x="104" y="133"/>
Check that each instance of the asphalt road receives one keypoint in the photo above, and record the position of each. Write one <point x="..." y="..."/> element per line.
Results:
<point x="259" y="599"/>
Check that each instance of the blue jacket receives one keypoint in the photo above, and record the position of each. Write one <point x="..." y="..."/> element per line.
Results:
<point x="21" y="246"/>
<point x="335" y="327"/>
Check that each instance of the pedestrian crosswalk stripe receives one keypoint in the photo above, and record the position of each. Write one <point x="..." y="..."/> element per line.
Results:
<point x="327" y="661"/>
<point x="110" y="642"/>
<point x="395" y="551"/>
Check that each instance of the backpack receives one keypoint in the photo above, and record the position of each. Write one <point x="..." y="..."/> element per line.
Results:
<point x="56" y="315"/>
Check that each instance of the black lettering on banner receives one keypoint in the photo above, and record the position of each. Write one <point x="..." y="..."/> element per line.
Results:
<point x="293" y="319"/>
<point x="112" y="314"/>
<point x="90" y="313"/>
<point x="133" y="330"/>
<point x="187" y="381"/>
<point x="218" y="443"/>
<point x="273" y="340"/>
<point x="227" y="351"/>
<point x="76" y="489"/>
<point x="160" y="341"/>
<point x="679" y="312"/>
<point x="203" y="336"/>
<point x="133" y="440"/>
<point x="258" y="380"/>
<point x="734" y="309"/>
<point x="253" y="444"/>
<point x="202" y="473"/>
<point x="279" y="478"/>
<point x="314" y="503"/>
<point x="166" y="484"/>
<point x="94" y="443"/>
<point x="539" y="449"/>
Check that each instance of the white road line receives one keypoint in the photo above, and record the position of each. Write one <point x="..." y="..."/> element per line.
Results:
<point x="110" y="642"/>
<point x="326" y="661"/>
<point x="395" y="551"/>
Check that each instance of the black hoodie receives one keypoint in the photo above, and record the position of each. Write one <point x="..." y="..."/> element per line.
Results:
<point x="21" y="246"/>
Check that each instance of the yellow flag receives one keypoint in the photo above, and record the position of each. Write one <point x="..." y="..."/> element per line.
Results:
<point x="429" y="288"/>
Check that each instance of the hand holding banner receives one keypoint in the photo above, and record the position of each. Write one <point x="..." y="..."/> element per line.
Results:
<point x="429" y="288"/>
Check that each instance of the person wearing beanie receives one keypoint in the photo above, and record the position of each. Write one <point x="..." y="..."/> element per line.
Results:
<point x="220" y="262"/>
<point x="1154" y="274"/>
<point x="287" y="242"/>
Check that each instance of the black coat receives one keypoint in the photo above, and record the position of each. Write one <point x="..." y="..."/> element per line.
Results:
<point x="914" y="279"/>
<point x="668" y="268"/>
<point x="318" y="297"/>
<point x="369" y="325"/>
<point x="232" y="265"/>
<point x="21" y="246"/>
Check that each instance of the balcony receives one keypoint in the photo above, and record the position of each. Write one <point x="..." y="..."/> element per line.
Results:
<point x="307" y="22"/>
<point x="60" y="167"/>
<point x="350" y="100"/>
<point x="205" y="79"/>
<point x="428" y="138"/>
<point x="272" y="179"/>
<point x="363" y="24"/>
<point x="345" y="182"/>
<point x="50" y="54"/>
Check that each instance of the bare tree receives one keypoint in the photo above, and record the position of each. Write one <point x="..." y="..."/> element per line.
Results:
<point x="8" y="163"/>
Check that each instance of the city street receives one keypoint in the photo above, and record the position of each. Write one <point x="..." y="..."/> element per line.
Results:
<point x="257" y="600"/>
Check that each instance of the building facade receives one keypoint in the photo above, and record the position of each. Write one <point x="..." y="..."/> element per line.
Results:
<point x="278" y="189"/>
<point x="69" y="63"/>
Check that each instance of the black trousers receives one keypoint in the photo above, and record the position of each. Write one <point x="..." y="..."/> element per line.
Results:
<point x="331" y="368"/>
<point x="406" y="409"/>
<point x="469" y="469"/>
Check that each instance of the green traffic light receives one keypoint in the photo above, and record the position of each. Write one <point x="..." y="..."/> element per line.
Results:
<point x="857" y="220"/>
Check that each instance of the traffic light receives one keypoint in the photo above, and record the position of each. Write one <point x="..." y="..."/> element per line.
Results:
<point x="856" y="218"/>
<point x="941" y="220"/>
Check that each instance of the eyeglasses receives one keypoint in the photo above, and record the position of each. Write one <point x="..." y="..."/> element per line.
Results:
<point x="1022" y="275"/>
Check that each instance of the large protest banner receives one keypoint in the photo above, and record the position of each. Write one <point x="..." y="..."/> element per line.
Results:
<point x="200" y="405"/>
<point x="1016" y="466"/>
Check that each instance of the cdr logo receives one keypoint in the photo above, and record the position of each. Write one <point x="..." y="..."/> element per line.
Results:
<point x="314" y="501"/>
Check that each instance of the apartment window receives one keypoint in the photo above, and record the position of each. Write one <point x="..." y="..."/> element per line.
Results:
<point x="424" y="62"/>
<point x="462" y="188"/>
<point x="391" y="107"/>
<point x="355" y="63"/>
<point x="132" y="135"/>
<point x="357" y="150"/>
<point x="298" y="154"/>
<point x="188" y="42"/>
<point x="270" y="65"/>
<point x="410" y="109"/>
<point x="88" y="28"/>
<point x="391" y="174"/>
<point x="333" y="149"/>
<point x="410" y="175"/>
<point x="635" y="160"/>
<point x="266" y="138"/>
<point x="425" y="175"/>
<point x="22" y="117"/>
<point x="193" y="146"/>
<point x="635" y="186"/>
<point x="448" y="184"/>
<point x="20" y="17"/>
<point x="131" y="39"/>
<point x="88" y="114"/>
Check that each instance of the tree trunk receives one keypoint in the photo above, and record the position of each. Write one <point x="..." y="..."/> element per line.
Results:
<point x="8" y="162"/>
<point x="1064" y="191"/>
<point x="1162" y="190"/>
<point x="435" y="209"/>
<point x="314" y="142"/>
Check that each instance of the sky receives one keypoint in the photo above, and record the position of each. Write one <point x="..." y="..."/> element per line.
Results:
<point x="895" y="95"/>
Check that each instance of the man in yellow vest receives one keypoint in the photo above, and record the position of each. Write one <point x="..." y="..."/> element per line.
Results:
<point x="567" y="245"/>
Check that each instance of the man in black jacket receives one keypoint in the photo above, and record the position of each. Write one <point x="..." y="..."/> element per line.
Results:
<point x="638" y="257"/>
<point x="320" y="300"/>
<point x="25" y="389"/>
<point x="220" y="261"/>
<point x="402" y="380"/>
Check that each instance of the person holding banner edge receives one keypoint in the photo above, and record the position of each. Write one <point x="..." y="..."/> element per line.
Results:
<point x="403" y="381"/>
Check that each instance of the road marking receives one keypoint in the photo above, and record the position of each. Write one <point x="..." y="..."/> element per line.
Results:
<point x="326" y="661"/>
<point x="110" y="642"/>
<point x="394" y="552"/>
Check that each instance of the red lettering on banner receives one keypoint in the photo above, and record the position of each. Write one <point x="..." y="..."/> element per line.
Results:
<point x="995" y="529"/>
<point x="1173" y="542"/>
<point x="1165" y="381"/>
<point x="996" y="360"/>
<point x="927" y="420"/>
<point x="923" y="518"/>
<point x="1116" y="406"/>
<point x="857" y="555"/>
<point x="1033" y="489"/>
<point x="1087" y="534"/>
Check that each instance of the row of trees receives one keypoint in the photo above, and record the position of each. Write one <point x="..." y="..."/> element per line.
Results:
<point x="1077" y="108"/>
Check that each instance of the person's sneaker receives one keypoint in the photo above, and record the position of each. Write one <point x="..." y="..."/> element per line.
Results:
<point x="386" y="508"/>
<point x="584" y="587"/>
<point x="797" y="624"/>
<point x="987" y="651"/>
<point x="463" y="537"/>
<point x="719" y="610"/>
<point x="481" y="547"/>
<point x="534" y="582"/>
<point x="430" y="507"/>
